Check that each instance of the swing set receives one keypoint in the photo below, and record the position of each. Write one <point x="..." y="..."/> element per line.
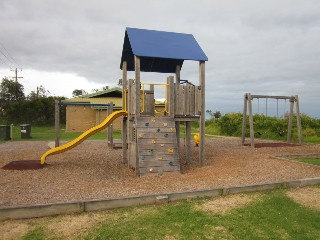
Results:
<point x="294" y="100"/>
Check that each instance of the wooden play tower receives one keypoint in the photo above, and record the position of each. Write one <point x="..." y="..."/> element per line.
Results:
<point x="151" y="138"/>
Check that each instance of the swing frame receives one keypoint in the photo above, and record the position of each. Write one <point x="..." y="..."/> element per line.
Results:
<point x="248" y="97"/>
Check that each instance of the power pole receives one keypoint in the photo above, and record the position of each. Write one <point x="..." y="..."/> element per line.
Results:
<point x="16" y="74"/>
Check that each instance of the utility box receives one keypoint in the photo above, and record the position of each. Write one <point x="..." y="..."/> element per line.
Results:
<point x="25" y="131"/>
<point x="5" y="132"/>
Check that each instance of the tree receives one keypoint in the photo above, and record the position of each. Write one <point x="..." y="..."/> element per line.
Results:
<point x="11" y="90"/>
<point x="216" y="114"/>
<point x="78" y="92"/>
<point x="40" y="92"/>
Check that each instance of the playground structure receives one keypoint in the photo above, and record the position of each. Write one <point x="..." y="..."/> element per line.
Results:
<point x="151" y="140"/>
<point x="248" y="97"/>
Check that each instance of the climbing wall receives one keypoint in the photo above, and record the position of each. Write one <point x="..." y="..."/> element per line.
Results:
<point x="157" y="145"/>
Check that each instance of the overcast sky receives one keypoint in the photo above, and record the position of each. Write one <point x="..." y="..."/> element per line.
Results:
<point x="263" y="47"/>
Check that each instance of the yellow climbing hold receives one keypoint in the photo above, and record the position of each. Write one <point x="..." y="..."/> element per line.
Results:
<point x="170" y="150"/>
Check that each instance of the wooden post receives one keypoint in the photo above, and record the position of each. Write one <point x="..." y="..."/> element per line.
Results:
<point x="188" y="142"/>
<point x="290" y="120"/>
<point x="57" y="122"/>
<point x="251" y="120"/>
<point x="298" y="119"/>
<point x="130" y="125"/>
<point x="124" y="118"/>
<point x="202" y="116"/>
<point x="177" y="83"/>
<point x="138" y="107"/>
<point x="244" y="119"/>
<point x="110" y="127"/>
<point x="137" y="83"/>
<point x="170" y="96"/>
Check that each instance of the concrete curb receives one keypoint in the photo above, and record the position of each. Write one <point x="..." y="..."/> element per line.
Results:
<point x="103" y="204"/>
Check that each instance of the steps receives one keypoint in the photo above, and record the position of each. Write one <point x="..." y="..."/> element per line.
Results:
<point x="157" y="145"/>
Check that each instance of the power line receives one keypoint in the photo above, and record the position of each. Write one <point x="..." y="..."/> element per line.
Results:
<point x="6" y="58"/>
<point x="4" y="61"/>
<point x="8" y="55"/>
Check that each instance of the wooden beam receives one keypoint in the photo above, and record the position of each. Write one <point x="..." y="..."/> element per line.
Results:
<point x="170" y="96"/>
<point x="137" y="83"/>
<point x="131" y="101"/>
<point x="290" y="121"/>
<point x="188" y="142"/>
<point x="177" y="83"/>
<point x="124" y="119"/>
<point x="187" y="118"/>
<point x="202" y="116"/>
<point x="249" y="98"/>
<point x="137" y="109"/>
<point x="298" y="119"/>
<point x="244" y="119"/>
<point x="273" y="97"/>
<point x="110" y="127"/>
<point x="178" y="136"/>
<point x="57" y="122"/>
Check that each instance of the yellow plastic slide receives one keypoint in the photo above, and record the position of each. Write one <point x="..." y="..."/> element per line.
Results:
<point x="84" y="135"/>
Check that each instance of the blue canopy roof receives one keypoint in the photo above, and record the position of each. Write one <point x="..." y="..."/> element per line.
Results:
<point x="159" y="51"/>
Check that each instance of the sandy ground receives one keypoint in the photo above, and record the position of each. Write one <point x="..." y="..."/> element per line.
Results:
<point x="93" y="171"/>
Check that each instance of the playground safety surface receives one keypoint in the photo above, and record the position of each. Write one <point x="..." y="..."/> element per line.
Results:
<point x="272" y="144"/>
<point x="24" y="165"/>
<point x="93" y="171"/>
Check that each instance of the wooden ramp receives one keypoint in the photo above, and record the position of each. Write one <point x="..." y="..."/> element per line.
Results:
<point x="157" y="145"/>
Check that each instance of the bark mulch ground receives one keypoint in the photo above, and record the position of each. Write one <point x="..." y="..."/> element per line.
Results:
<point x="93" y="171"/>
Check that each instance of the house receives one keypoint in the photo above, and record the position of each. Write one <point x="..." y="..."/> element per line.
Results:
<point x="87" y="111"/>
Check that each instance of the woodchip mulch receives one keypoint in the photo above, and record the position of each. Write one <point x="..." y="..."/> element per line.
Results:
<point x="93" y="171"/>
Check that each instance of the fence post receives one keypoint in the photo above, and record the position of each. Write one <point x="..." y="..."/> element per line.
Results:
<point x="57" y="122"/>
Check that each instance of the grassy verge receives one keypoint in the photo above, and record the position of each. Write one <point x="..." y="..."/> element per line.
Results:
<point x="269" y="215"/>
<point x="314" y="161"/>
<point x="274" y="217"/>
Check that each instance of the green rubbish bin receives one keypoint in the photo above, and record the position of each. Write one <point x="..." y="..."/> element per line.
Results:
<point x="5" y="132"/>
<point x="25" y="131"/>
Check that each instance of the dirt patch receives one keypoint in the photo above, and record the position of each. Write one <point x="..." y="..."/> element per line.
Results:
<point x="72" y="226"/>
<point x="12" y="230"/>
<point x="307" y="196"/>
<point x="223" y="205"/>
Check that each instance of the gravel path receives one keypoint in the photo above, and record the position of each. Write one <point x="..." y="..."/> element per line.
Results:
<point x="92" y="171"/>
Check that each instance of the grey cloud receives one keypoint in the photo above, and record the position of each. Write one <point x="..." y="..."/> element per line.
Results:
<point x="267" y="47"/>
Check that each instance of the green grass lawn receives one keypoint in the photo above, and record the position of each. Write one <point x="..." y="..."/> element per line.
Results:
<point x="270" y="215"/>
<point x="314" y="161"/>
<point x="48" y="133"/>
